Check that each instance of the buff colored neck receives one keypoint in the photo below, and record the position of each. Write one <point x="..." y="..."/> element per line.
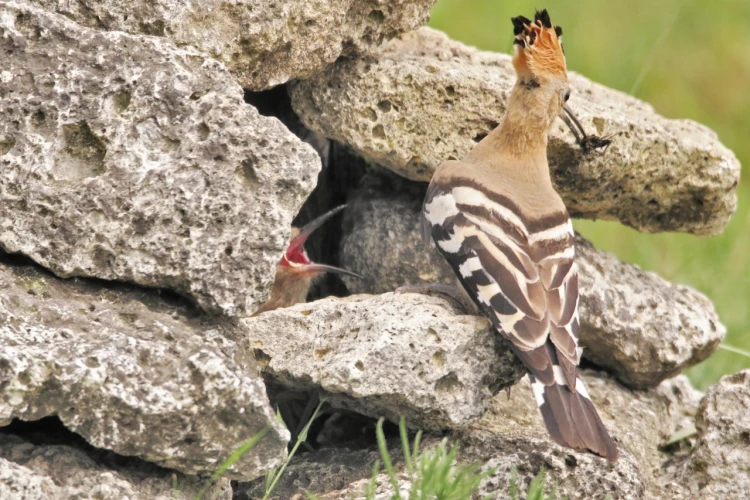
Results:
<point x="517" y="148"/>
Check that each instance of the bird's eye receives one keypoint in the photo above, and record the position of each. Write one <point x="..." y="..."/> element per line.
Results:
<point x="567" y="95"/>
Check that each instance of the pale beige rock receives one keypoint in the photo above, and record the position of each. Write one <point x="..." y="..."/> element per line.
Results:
<point x="510" y="435"/>
<point x="719" y="463"/>
<point x="126" y="158"/>
<point x="639" y="326"/>
<point x="424" y="99"/>
<point x="131" y="372"/>
<point x="392" y="355"/>
<point x="633" y="323"/>
<point x="62" y="472"/>
<point x="263" y="42"/>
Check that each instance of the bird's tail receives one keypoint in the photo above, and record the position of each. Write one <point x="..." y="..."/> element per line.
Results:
<point x="571" y="418"/>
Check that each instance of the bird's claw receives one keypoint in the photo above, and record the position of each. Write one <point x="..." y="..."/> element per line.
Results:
<point x="448" y="292"/>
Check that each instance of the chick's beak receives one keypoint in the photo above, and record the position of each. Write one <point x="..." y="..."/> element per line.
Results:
<point x="296" y="245"/>
<point x="322" y="268"/>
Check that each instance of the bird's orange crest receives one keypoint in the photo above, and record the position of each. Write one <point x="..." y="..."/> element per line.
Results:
<point x="538" y="47"/>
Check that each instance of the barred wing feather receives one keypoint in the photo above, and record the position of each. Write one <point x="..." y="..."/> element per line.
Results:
<point x="521" y="273"/>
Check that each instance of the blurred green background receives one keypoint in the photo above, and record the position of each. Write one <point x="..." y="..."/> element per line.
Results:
<point x="689" y="59"/>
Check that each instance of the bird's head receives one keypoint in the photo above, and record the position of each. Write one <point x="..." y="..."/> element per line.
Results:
<point x="296" y="261"/>
<point x="539" y="61"/>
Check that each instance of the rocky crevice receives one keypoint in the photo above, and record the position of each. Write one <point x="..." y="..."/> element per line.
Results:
<point x="154" y="197"/>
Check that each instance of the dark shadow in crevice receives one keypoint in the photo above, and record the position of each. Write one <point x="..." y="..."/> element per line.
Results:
<point x="341" y="444"/>
<point x="161" y="300"/>
<point x="341" y="172"/>
<point x="50" y="431"/>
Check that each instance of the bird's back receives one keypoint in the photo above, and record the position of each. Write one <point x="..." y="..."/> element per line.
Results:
<point x="510" y="241"/>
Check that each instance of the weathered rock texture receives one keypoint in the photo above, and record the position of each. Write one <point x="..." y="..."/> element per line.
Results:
<point x="389" y="355"/>
<point x="129" y="373"/>
<point x="718" y="465"/>
<point x="59" y="472"/>
<point x="633" y="323"/>
<point x="639" y="326"/>
<point x="511" y="435"/>
<point x="125" y="158"/>
<point x="263" y="43"/>
<point x="425" y="99"/>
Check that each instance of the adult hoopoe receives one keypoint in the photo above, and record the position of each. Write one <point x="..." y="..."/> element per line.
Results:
<point x="505" y="231"/>
<point x="295" y="272"/>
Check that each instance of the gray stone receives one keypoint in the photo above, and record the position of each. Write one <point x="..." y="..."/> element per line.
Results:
<point x="510" y="435"/>
<point x="633" y="323"/>
<point x="392" y="355"/>
<point x="262" y="43"/>
<point x="130" y="373"/>
<point x="61" y="472"/>
<point x="719" y="463"/>
<point x="126" y="158"/>
<point x="323" y="472"/>
<point x="424" y="99"/>
<point x="683" y="400"/>
<point x="639" y="326"/>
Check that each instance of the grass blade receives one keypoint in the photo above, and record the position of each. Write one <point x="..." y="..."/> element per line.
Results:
<point x="302" y="436"/>
<point x="383" y="447"/>
<point x="238" y="453"/>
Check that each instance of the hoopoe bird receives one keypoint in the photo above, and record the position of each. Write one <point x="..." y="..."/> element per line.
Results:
<point x="506" y="233"/>
<point x="295" y="273"/>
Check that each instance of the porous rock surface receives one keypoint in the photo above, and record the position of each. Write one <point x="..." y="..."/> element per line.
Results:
<point x="263" y="43"/>
<point x="510" y="435"/>
<point x="638" y="325"/>
<point x="126" y="158"/>
<point x="633" y="323"/>
<point x="130" y="373"/>
<point x="424" y="99"/>
<point x="61" y="472"/>
<point x="718" y="465"/>
<point x="392" y="355"/>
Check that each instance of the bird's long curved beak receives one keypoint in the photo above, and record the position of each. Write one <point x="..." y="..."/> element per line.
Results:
<point x="586" y="141"/>
<point x="323" y="268"/>
<point x="306" y="230"/>
<point x="573" y="124"/>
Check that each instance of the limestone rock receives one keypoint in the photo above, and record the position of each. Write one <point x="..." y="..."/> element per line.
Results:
<point x="389" y="355"/>
<point x="718" y="465"/>
<point x="262" y="43"/>
<point x="131" y="373"/>
<point x="639" y="326"/>
<point x="510" y="435"/>
<point x="424" y="99"/>
<point x="61" y="472"/>
<point x="633" y="323"/>
<point x="126" y="158"/>
<point x="325" y="471"/>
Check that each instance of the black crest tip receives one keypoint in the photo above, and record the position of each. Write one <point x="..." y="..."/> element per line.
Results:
<point x="518" y="23"/>
<point x="543" y="16"/>
<point x="558" y="31"/>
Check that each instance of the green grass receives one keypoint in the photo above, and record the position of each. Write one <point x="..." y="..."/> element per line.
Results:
<point x="224" y="467"/>
<point x="434" y="474"/>
<point x="689" y="59"/>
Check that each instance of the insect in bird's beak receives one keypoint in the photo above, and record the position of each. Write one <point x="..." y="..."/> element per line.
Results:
<point x="587" y="142"/>
<point x="296" y="255"/>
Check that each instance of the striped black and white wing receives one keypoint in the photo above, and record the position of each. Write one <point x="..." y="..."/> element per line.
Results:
<point x="520" y="270"/>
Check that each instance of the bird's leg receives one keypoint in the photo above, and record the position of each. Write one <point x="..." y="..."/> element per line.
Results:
<point x="453" y="294"/>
